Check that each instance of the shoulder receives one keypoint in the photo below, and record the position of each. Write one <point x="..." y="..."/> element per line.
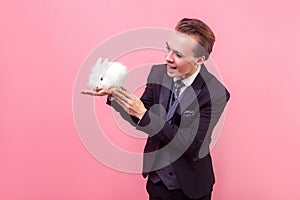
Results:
<point x="159" y="69"/>
<point x="214" y="86"/>
<point x="157" y="72"/>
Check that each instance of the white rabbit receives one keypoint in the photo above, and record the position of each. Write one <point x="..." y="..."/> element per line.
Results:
<point x="107" y="74"/>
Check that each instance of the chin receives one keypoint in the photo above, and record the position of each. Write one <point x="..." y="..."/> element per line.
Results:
<point x="172" y="75"/>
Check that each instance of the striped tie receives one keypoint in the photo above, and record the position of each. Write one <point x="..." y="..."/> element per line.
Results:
<point x="176" y="90"/>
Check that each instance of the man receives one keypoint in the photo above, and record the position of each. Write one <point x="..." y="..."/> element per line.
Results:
<point x="179" y="108"/>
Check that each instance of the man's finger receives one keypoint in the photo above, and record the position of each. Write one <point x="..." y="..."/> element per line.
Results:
<point x="90" y="92"/>
<point x="94" y="93"/>
<point x="120" y="100"/>
<point x="125" y="93"/>
<point x="122" y="103"/>
<point x="119" y="95"/>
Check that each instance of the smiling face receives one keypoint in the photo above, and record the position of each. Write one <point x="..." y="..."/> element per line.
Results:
<point x="180" y="56"/>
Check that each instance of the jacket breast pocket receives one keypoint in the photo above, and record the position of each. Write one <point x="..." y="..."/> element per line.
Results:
<point x="187" y="118"/>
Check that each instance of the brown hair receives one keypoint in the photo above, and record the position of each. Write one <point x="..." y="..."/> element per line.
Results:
<point x="204" y="35"/>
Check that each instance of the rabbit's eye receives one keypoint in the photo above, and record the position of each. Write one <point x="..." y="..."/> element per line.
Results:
<point x="101" y="79"/>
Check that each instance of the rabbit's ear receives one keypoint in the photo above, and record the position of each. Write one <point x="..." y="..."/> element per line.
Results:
<point x="95" y="73"/>
<point x="105" y="63"/>
<point x="98" y="62"/>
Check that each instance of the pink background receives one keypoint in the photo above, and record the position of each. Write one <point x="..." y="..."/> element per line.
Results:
<point x="44" y="43"/>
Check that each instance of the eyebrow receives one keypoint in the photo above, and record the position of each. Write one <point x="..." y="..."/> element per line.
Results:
<point x="175" y="51"/>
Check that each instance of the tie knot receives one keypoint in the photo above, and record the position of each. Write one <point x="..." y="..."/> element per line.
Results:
<point x="178" y="84"/>
<point x="176" y="90"/>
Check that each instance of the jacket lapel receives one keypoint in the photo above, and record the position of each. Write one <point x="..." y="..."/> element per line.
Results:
<point x="165" y="91"/>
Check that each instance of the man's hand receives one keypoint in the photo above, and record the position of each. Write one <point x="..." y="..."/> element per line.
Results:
<point x="98" y="92"/>
<point x="129" y="102"/>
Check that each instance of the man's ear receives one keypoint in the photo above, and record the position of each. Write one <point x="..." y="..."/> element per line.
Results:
<point x="200" y="60"/>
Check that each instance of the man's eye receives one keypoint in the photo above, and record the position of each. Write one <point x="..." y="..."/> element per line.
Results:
<point x="178" y="55"/>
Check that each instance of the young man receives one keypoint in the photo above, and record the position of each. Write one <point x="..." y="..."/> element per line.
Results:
<point x="179" y="108"/>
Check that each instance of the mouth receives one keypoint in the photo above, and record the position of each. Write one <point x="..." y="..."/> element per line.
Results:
<point x="172" y="67"/>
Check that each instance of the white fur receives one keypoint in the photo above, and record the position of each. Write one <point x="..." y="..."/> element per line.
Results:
<point x="107" y="74"/>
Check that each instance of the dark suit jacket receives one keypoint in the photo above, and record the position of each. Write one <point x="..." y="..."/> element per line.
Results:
<point x="184" y="131"/>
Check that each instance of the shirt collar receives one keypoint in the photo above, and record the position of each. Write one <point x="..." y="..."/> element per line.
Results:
<point x="189" y="80"/>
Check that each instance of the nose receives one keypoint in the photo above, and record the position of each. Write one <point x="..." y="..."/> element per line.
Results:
<point x="169" y="56"/>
